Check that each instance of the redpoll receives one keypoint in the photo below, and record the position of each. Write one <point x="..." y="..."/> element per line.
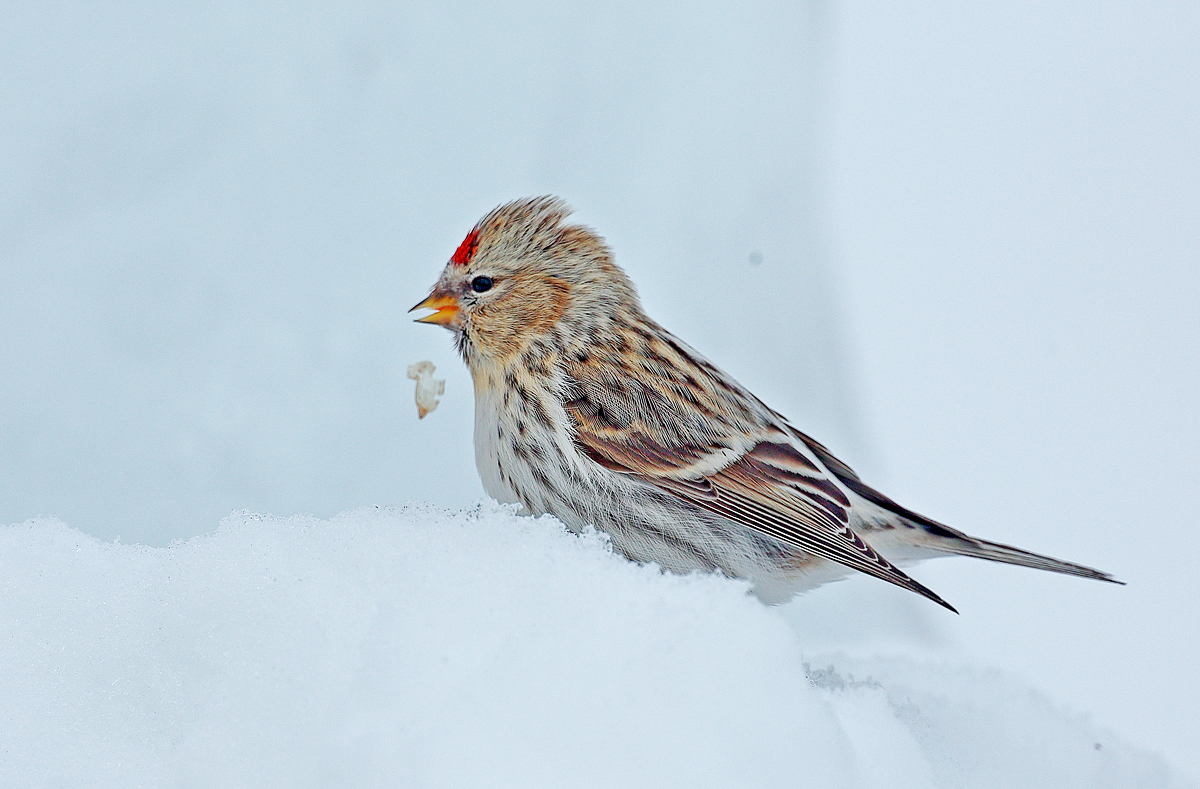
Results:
<point x="587" y="409"/>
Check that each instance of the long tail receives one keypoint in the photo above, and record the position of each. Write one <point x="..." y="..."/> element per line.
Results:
<point x="972" y="546"/>
<point x="949" y="540"/>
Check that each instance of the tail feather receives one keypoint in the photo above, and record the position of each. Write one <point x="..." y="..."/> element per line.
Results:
<point x="946" y="539"/>
<point x="983" y="549"/>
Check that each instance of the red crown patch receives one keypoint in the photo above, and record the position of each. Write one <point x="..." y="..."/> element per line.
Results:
<point x="466" y="250"/>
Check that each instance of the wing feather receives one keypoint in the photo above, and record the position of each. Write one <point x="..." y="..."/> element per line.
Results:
<point x="742" y="494"/>
<point x="741" y="465"/>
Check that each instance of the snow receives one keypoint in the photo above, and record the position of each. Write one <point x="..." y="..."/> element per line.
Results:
<point x="418" y="646"/>
<point x="955" y="243"/>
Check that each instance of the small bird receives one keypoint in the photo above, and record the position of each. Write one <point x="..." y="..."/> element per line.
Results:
<point x="587" y="409"/>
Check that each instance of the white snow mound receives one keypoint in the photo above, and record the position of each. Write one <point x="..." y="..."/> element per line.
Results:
<point x="423" y="648"/>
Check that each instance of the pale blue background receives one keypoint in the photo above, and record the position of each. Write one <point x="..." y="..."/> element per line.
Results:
<point x="979" y="231"/>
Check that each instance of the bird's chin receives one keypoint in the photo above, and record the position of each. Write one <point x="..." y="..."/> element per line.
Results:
<point x="463" y="344"/>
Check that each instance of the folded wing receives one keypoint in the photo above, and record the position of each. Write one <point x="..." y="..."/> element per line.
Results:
<point x="735" y="462"/>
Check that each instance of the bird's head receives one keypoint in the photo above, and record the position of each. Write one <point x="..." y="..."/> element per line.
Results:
<point x="521" y="274"/>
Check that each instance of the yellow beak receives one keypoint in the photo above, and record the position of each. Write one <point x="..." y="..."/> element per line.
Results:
<point x="445" y="308"/>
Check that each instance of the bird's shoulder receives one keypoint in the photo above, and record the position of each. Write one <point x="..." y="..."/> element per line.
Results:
<point x="640" y="397"/>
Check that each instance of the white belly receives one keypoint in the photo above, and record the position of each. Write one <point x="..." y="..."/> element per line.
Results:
<point x="487" y="449"/>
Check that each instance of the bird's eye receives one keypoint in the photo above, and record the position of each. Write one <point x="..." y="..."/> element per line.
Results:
<point x="480" y="284"/>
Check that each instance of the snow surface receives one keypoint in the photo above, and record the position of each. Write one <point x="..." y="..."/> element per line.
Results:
<point x="977" y="225"/>
<point x="422" y="647"/>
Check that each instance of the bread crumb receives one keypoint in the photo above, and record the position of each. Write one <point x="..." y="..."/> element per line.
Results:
<point x="428" y="388"/>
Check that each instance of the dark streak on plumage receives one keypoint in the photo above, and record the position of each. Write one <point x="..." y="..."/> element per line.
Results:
<point x="540" y="475"/>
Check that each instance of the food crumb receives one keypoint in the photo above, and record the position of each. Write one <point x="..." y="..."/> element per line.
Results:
<point x="428" y="388"/>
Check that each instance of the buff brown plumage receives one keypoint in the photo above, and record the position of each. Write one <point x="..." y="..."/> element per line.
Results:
<point x="587" y="409"/>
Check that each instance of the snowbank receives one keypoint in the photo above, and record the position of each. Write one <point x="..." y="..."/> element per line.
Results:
<point x="421" y="647"/>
